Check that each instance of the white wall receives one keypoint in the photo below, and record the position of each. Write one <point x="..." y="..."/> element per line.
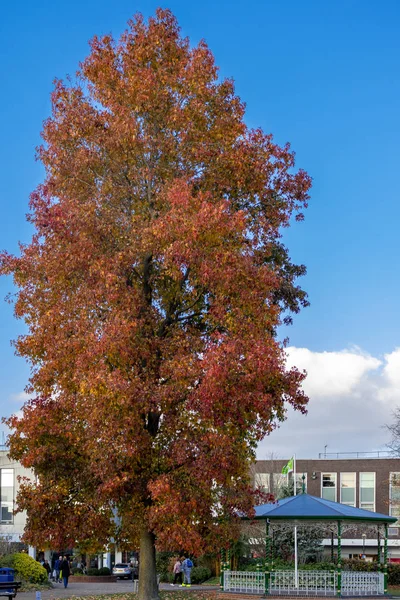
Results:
<point x="14" y="531"/>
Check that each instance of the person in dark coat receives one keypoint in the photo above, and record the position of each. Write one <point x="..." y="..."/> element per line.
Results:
<point x="65" y="571"/>
<point x="47" y="567"/>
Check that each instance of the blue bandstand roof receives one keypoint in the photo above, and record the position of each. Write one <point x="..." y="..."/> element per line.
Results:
<point x="305" y="507"/>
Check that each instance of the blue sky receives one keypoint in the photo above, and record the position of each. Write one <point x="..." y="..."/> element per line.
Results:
<point x="323" y="76"/>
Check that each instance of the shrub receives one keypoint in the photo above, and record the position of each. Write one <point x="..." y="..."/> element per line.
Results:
<point x="104" y="571"/>
<point x="164" y="565"/>
<point x="200" y="574"/>
<point x="77" y="571"/>
<point x="251" y="565"/>
<point x="208" y="561"/>
<point x="353" y="564"/>
<point x="26" y="567"/>
<point x="393" y="574"/>
<point x="8" y="561"/>
<point x="93" y="571"/>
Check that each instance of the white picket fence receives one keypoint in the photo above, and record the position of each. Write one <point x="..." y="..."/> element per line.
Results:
<point x="357" y="583"/>
<point x="309" y="583"/>
<point x="246" y="582"/>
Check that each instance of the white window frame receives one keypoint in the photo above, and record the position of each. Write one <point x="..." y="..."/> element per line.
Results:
<point x="355" y="488"/>
<point x="397" y="475"/>
<point x="277" y="481"/>
<point x="359" y="490"/>
<point x="9" y="521"/>
<point x="322" y="483"/>
<point x="299" y="480"/>
<point x="299" y="477"/>
<point x="261" y="479"/>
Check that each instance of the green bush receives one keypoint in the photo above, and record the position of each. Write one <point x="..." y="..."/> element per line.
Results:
<point x="93" y="571"/>
<point x="394" y="574"/>
<point x="8" y="561"/>
<point x="77" y="571"/>
<point x="353" y="564"/>
<point x="26" y="567"/>
<point x="208" y="561"/>
<point x="279" y="564"/>
<point x="200" y="574"/>
<point x="318" y="566"/>
<point x="104" y="571"/>
<point x="164" y="565"/>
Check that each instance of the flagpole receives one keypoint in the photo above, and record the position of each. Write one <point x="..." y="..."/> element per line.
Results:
<point x="296" y="574"/>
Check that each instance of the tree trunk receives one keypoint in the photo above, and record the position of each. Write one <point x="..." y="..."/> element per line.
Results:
<point x="148" y="588"/>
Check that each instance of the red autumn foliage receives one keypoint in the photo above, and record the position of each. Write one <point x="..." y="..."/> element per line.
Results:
<point x="152" y="289"/>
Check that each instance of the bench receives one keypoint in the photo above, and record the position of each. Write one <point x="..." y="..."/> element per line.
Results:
<point x="6" y="586"/>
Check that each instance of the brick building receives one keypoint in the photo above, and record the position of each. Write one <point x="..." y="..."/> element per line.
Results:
<point x="361" y="480"/>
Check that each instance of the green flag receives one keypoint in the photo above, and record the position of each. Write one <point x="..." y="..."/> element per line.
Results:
<point x="288" y="467"/>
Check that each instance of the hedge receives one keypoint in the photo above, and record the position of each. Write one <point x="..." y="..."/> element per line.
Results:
<point x="26" y="567"/>
<point x="200" y="574"/>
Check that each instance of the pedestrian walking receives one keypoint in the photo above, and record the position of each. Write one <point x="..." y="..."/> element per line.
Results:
<point x="65" y="571"/>
<point x="48" y="568"/>
<point x="187" y="566"/>
<point x="177" y="572"/>
<point x="57" y="569"/>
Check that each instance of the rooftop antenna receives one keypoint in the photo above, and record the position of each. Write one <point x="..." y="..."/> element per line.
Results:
<point x="326" y="445"/>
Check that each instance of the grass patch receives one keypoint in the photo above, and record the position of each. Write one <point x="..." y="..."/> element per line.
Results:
<point x="394" y="590"/>
<point x="212" y="581"/>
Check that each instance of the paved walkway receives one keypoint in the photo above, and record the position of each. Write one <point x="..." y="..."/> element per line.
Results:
<point x="98" y="589"/>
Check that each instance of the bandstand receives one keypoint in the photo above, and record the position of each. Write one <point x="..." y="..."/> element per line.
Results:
<point x="334" y="517"/>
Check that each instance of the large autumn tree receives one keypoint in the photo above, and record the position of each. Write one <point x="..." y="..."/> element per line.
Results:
<point x="152" y="291"/>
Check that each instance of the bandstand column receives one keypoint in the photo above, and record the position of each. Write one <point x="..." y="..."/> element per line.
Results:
<point x="268" y="548"/>
<point x="222" y="565"/>
<point x="385" y="557"/>
<point x="225" y="564"/>
<point x="379" y="548"/>
<point x="339" y="559"/>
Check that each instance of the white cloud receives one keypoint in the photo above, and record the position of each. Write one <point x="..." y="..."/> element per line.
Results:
<point x="19" y="398"/>
<point x="352" y="398"/>
<point x="390" y="390"/>
<point x="331" y="373"/>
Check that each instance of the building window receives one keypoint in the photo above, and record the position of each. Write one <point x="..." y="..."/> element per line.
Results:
<point x="328" y="491"/>
<point x="299" y="481"/>
<point x="279" y="483"/>
<point x="394" y="496"/>
<point x="7" y="495"/>
<point x="348" y="489"/>
<point x="262" y="481"/>
<point x="367" y="491"/>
